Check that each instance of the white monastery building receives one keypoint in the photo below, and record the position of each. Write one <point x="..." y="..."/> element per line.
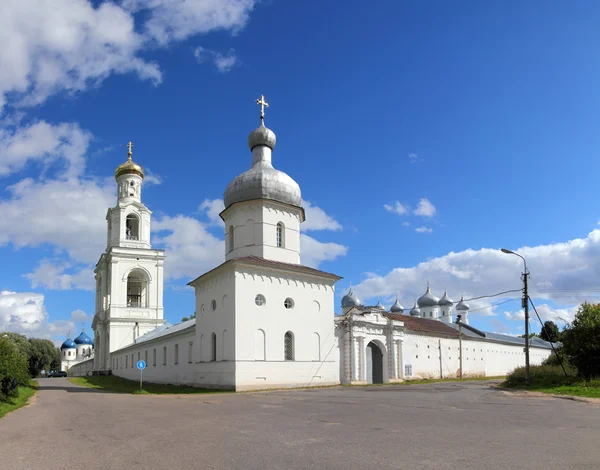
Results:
<point x="264" y="320"/>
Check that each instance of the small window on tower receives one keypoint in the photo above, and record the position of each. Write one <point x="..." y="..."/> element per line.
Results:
<point x="231" y="240"/>
<point x="132" y="189"/>
<point x="280" y="235"/>
<point x="132" y="227"/>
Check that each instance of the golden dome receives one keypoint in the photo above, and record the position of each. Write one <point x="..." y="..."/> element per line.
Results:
<point x="129" y="167"/>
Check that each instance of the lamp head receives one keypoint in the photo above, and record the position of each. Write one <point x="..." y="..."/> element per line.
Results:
<point x="508" y="252"/>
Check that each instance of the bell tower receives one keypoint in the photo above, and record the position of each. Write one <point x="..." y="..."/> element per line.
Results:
<point x="129" y="274"/>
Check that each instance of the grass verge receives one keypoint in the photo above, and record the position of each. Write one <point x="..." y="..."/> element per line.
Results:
<point x="552" y="380"/>
<point x="19" y="400"/>
<point x="426" y="381"/>
<point x="114" y="384"/>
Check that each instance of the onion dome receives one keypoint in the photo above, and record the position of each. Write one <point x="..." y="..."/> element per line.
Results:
<point x="397" y="308"/>
<point x="350" y="300"/>
<point x="379" y="305"/>
<point x="129" y="167"/>
<point x="462" y="305"/>
<point x="445" y="300"/>
<point x="262" y="181"/>
<point x="428" y="299"/>
<point x="415" y="311"/>
<point x="68" y="344"/>
<point x="83" y="339"/>
<point x="262" y="135"/>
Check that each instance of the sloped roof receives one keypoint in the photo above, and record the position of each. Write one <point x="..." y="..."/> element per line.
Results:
<point x="166" y="329"/>
<point x="423" y="325"/>
<point x="257" y="261"/>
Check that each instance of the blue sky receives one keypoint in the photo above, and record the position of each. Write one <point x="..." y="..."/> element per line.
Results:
<point x="424" y="138"/>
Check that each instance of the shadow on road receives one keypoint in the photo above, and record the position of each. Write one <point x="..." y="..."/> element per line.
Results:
<point x="65" y="385"/>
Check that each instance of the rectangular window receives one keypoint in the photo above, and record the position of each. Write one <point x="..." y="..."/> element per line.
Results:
<point x="408" y="370"/>
<point x="139" y="352"/>
<point x="176" y="358"/>
<point x="131" y="359"/>
<point x="126" y="361"/>
<point x="165" y="356"/>
<point x="190" y="349"/>
<point x="146" y="356"/>
<point x="154" y="357"/>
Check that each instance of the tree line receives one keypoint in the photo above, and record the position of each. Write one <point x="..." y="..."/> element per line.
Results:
<point x="22" y="359"/>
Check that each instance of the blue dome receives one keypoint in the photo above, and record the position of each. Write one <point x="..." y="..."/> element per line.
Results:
<point x="83" y="339"/>
<point x="68" y="344"/>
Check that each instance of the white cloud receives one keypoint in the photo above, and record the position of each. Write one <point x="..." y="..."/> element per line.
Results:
<point x="317" y="219"/>
<point x="397" y="208"/>
<point x="69" y="215"/>
<point x="21" y="312"/>
<point x="413" y="158"/>
<point x="44" y="143"/>
<point x="406" y="224"/>
<point x="212" y="208"/>
<point x="314" y="252"/>
<point x="425" y="208"/>
<point x="546" y="312"/>
<point x="25" y="313"/>
<point x="566" y="273"/>
<point x="191" y="250"/>
<point x="177" y="20"/>
<point x="223" y="62"/>
<point x="423" y="230"/>
<point x="53" y="275"/>
<point x="70" y="45"/>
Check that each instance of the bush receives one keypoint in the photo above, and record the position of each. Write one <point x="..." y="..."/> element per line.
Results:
<point x="548" y="375"/>
<point x="13" y="369"/>
<point x="581" y="341"/>
<point x="554" y="360"/>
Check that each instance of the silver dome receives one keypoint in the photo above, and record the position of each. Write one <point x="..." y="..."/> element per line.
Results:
<point x="428" y="300"/>
<point x="445" y="300"/>
<point x="380" y="305"/>
<point x="462" y="305"/>
<point x="262" y="181"/>
<point x="262" y="135"/>
<point x="415" y="311"/>
<point x="350" y="300"/>
<point x="397" y="308"/>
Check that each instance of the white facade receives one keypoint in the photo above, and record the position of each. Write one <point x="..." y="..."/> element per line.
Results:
<point x="262" y="319"/>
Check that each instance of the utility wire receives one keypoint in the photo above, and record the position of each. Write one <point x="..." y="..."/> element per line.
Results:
<point x="494" y="305"/>
<point x="494" y="295"/>
<point x="547" y="336"/>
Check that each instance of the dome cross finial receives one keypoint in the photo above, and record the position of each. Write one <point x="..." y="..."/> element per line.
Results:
<point x="263" y="104"/>
<point x="129" y="150"/>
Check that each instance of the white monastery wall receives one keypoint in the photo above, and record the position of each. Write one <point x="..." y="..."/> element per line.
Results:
<point x="260" y="351"/>
<point x="81" y="369"/>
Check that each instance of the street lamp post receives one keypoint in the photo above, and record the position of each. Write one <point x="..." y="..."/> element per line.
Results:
<point x="525" y="305"/>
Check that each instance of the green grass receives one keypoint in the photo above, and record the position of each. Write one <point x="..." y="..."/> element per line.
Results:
<point x="19" y="400"/>
<point x="552" y="380"/>
<point x="427" y="381"/>
<point x="111" y="383"/>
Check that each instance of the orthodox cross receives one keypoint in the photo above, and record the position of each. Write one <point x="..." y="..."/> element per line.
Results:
<point x="263" y="104"/>
<point x="83" y="323"/>
<point x="130" y="152"/>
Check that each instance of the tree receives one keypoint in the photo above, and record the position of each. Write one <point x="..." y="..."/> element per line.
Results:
<point x="43" y="354"/>
<point x="13" y="368"/>
<point x="550" y="332"/>
<point x="581" y="341"/>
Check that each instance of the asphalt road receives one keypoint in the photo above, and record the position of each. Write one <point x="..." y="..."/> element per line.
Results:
<point x="435" y="426"/>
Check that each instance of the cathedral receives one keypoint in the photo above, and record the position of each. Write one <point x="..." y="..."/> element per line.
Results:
<point x="264" y="320"/>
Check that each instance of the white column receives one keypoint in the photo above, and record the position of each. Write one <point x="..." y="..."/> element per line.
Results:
<point x="356" y="360"/>
<point x="393" y="355"/>
<point x="363" y="361"/>
<point x="400" y="358"/>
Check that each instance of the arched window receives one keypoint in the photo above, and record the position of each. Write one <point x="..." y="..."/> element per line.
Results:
<point x="137" y="285"/>
<point x="132" y="227"/>
<point x="230" y="240"/>
<point x="213" y="345"/>
<point x="280" y="235"/>
<point x="288" y="346"/>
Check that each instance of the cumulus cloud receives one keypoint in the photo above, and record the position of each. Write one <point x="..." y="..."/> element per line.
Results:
<point x="314" y="252"/>
<point x="45" y="143"/>
<point x="413" y="158"/>
<point x="423" y="230"/>
<point x="54" y="275"/>
<point x="70" y="45"/>
<point x="212" y="208"/>
<point x="317" y="219"/>
<point x="565" y="273"/>
<point x="397" y="208"/>
<point x="21" y="312"/>
<point x="223" y="62"/>
<point x="425" y="208"/>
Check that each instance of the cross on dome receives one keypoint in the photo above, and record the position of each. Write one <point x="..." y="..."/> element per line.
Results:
<point x="263" y="104"/>
<point x="130" y="151"/>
